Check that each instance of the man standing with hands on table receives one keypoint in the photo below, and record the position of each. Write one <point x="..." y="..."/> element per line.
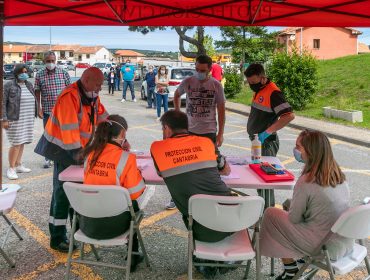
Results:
<point x="68" y="130"/>
<point x="188" y="164"/>
<point x="270" y="112"/>
<point x="204" y="98"/>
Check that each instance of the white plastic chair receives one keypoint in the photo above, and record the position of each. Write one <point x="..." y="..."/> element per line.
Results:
<point x="226" y="214"/>
<point x="96" y="201"/>
<point x="353" y="223"/>
<point x="8" y="195"/>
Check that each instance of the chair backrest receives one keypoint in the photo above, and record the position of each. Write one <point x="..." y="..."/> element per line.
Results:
<point x="226" y="213"/>
<point x="7" y="198"/>
<point x="354" y="222"/>
<point x="97" y="201"/>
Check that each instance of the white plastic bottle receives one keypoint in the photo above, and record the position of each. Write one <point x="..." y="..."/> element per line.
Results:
<point x="256" y="150"/>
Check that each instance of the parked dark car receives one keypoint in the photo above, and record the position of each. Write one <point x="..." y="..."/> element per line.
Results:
<point x="9" y="68"/>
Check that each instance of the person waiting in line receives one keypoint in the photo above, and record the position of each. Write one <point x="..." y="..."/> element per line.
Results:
<point x="19" y="112"/>
<point x="128" y="76"/>
<point x="110" y="147"/>
<point x="111" y="78"/>
<point x="161" y="82"/>
<point x="199" y="174"/>
<point x="118" y="77"/>
<point x="216" y="71"/>
<point x="320" y="196"/>
<point x="270" y="112"/>
<point x="150" y="85"/>
<point x="205" y="104"/>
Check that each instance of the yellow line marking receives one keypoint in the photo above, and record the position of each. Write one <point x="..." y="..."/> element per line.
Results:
<point x="238" y="126"/>
<point x="157" y="217"/>
<point x="289" y="160"/>
<point x="234" y="132"/>
<point x="59" y="258"/>
<point x="363" y="172"/>
<point x="41" y="269"/>
<point x="153" y="130"/>
<point x="26" y="180"/>
<point x="144" y="126"/>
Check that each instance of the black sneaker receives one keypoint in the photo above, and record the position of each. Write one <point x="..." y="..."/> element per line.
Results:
<point x="62" y="247"/>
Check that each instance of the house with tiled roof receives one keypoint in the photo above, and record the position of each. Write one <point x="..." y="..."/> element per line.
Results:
<point x="322" y="42"/>
<point x="123" y="55"/>
<point x="14" y="53"/>
<point x="92" y="54"/>
<point x="363" y="48"/>
<point x="65" y="52"/>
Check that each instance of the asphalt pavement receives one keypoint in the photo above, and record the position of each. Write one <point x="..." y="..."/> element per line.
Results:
<point x="165" y="236"/>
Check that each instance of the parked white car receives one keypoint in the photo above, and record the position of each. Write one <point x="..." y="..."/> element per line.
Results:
<point x="104" y="67"/>
<point x="175" y="75"/>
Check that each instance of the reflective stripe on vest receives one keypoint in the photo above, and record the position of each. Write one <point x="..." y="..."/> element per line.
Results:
<point x="188" y="168"/>
<point x="59" y="143"/>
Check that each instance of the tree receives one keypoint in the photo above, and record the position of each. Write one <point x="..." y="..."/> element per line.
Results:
<point x="181" y="30"/>
<point x="208" y="45"/>
<point x="254" y="42"/>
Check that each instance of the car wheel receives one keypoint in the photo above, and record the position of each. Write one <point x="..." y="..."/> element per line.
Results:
<point x="143" y="96"/>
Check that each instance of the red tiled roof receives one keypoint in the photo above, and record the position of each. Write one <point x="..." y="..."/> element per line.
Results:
<point x="65" y="47"/>
<point x="38" y="48"/>
<point x="89" y="50"/>
<point x="292" y="30"/>
<point x="15" y="48"/>
<point x="128" y="53"/>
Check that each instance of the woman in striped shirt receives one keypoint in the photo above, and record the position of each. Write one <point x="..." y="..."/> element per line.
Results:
<point x="19" y="112"/>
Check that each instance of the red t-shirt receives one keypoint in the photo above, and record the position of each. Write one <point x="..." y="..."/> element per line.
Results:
<point x="216" y="71"/>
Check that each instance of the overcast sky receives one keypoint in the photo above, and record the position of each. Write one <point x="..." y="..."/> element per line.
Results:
<point x="113" y="37"/>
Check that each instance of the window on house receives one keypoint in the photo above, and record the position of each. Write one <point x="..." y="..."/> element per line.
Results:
<point x="88" y="56"/>
<point x="9" y="54"/>
<point x="70" y="54"/>
<point x="63" y="54"/>
<point x="20" y="54"/>
<point x="316" y="43"/>
<point x="105" y="57"/>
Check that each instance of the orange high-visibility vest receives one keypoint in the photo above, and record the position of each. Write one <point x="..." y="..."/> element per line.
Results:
<point x="183" y="153"/>
<point x="115" y="167"/>
<point x="262" y="99"/>
<point x="69" y="125"/>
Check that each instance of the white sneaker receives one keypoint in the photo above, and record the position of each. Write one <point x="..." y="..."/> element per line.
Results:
<point x="22" y="169"/>
<point x="123" y="100"/>
<point x="11" y="174"/>
<point x="134" y="100"/>
<point x="158" y="119"/>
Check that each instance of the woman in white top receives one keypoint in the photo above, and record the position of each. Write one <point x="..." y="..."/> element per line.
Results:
<point x="320" y="196"/>
<point x="161" y="88"/>
<point x="19" y="112"/>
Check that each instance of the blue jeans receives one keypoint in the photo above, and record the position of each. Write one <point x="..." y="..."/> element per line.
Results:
<point x="161" y="97"/>
<point x="151" y="97"/>
<point x="131" y="85"/>
<point x="117" y="83"/>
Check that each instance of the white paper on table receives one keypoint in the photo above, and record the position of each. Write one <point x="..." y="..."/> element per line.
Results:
<point x="231" y="176"/>
<point x="237" y="161"/>
<point x="141" y="165"/>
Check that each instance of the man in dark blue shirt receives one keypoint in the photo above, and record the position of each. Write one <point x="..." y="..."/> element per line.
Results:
<point x="150" y="83"/>
<point x="118" y="77"/>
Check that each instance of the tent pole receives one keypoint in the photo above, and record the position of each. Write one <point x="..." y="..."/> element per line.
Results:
<point x="1" y="87"/>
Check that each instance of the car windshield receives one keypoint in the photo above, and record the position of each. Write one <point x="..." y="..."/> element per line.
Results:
<point x="180" y="74"/>
<point x="8" y="67"/>
<point x="99" y="65"/>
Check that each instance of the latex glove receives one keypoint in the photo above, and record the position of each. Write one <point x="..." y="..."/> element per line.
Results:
<point x="263" y="136"/>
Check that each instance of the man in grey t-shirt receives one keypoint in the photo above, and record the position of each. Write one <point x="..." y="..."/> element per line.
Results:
<point x="205" y="99"/>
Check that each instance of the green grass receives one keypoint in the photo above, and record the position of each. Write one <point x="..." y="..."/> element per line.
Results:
<point x="344" y="83"/>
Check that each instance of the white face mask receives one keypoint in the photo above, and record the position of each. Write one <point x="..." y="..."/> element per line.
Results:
<point x="50" y="66"/>
<point x="92" y="94"/>
<point x="163" y="72"/>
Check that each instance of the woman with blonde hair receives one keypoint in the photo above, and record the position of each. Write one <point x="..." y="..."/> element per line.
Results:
<point x="161" y="82"/>
<point x="320" y="196"/>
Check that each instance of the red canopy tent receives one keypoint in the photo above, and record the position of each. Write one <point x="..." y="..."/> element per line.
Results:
<point x="340" y="13"/>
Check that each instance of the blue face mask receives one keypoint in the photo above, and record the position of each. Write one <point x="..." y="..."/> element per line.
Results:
<point x="23" y="76"/>
<point x="201" y="76"/>
<point x="298" y="155"/>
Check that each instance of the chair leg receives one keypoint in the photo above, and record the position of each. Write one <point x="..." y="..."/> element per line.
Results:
<point x="328" y="263"/>
<point x="190" y="256"/>
<point x="82" y="251"/>
<point x="367" y="263"/>
<point x="8" y="260"/>
<point x="247" y="269"/>
<point x="129" y="251"/>
<point x="93" y="249"/>
<point x="71" y="241"/>
<point x="13" y="228"/>
<point x="142" y="247"/>
<point x="272" y="267"/>
<point x="258" y="257"/>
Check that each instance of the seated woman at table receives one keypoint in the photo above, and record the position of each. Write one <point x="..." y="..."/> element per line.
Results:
<point x="103" y="164"/>
<point x="320" y="196"/>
